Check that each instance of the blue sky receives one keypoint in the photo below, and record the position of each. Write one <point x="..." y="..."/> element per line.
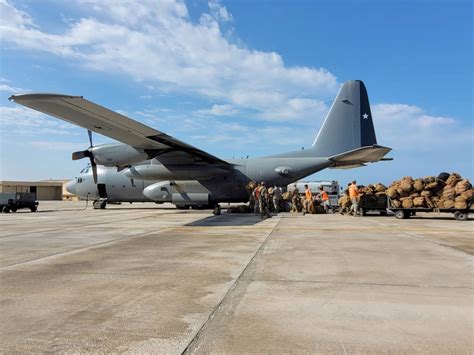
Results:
<point x="239" y="78"/>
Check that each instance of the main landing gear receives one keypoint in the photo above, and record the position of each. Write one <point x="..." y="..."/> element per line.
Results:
<point x="100" y="204"/>
<point x="217" y="210"/>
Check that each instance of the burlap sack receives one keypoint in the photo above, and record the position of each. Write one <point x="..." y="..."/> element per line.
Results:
<point x="419" y="202"/>
<point x="460" y="205"/>
<point x="407" y="202"/>
<point x="462" y="186"/>
<point x="440" y="203"/>
<point x="408" y="179"/>
<point x="460" y="198"/>
<point x="432" y="185"/>
<point x="406" y="186"/>
<point x="286" y="195"/>
<point x="468" y="194"/>
<point x="392" y="192"/>
<point x="449" y="193"/>
<point x="429" y="202"/>
<point x="448" y="204"/>
<point x="380" y="187"/>
<point x="251" y="186"/>
<point x="426" y="193"/>
<point x="419" y="185"/>
<point x="453" y="179"/>
<point x="395" y="203"/>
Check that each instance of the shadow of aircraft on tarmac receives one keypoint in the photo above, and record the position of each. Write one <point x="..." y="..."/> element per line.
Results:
<point x="238" y="219"/>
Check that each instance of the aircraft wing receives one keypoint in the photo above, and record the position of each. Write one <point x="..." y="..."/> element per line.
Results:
<point x="86" y="114"/>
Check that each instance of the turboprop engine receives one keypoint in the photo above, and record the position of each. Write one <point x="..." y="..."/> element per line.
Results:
<point x="172" y="172"/>
<point x="117" y="154"/>
<point x="179" y="193"/>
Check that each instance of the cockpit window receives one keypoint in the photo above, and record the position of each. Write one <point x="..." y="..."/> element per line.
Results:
<point x="85" y="170"/>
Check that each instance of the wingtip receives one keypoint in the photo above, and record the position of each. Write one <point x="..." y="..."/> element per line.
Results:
<point x="41" y="96"/>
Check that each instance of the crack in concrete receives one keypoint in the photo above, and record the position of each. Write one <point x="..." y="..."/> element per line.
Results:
<point x="202" y="329"/>
<point x="360" y="283"/>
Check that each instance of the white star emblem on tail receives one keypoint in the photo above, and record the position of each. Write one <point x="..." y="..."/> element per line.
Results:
<point x="365" y="116"/>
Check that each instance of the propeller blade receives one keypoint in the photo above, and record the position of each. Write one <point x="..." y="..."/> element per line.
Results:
<point x="82" y="154"/>
<point x="79" y="155"/>
<point x="94" y="169"/>
<point x="89" y="133"/>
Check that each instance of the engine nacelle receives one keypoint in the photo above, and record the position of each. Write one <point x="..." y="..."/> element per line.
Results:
<point x="159" y="192"/>
<point x="117" y="154"/>
<point x="172" y="172"/>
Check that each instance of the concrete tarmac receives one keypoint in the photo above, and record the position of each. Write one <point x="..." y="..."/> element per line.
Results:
<point x="148" y="278"/>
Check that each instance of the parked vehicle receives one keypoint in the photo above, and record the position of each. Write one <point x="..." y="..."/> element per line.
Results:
<point x="373" y="202"/>
<point x="13" y="201"/>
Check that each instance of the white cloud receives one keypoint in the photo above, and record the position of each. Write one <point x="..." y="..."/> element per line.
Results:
<point x="219" y="12"/>
<point x="6" y="86"/>
<point x="407" y="127"/>
<point x="22" y="121"/>
<point x="219" y="110"/>
<point x="158" y="44"/>
<point x="57" y="146"/>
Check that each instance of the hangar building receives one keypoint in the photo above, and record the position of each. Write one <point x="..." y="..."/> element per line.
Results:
<point x="45" y="190"/>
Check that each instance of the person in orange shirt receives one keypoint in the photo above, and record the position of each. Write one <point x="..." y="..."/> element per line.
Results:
<point x="308" y="201"/>
<point x="354" y="196"/>
<point x="323" y="196"/>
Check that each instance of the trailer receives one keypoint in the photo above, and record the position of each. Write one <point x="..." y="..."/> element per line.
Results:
<point x="403" y="213"/>
<point x="13" y="201"/>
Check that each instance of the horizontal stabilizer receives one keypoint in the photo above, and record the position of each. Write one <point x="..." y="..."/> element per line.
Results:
<point x="346" y="167"/>
<point x="358" y="157"/>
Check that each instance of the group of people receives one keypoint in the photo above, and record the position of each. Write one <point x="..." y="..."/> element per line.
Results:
<point x="308" y="203"/>
<point x="264" y="200"/>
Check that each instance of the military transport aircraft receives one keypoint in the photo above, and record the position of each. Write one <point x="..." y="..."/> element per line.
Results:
<point x="345" y="140"/>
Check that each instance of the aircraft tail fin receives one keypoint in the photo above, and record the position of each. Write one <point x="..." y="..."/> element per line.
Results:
<point x="348" y="125"/>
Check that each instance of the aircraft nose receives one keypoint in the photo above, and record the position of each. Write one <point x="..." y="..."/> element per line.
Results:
<point x="71" y="187"/>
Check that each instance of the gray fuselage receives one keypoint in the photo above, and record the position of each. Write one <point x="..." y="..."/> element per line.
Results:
<point x="226" y="187"/>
